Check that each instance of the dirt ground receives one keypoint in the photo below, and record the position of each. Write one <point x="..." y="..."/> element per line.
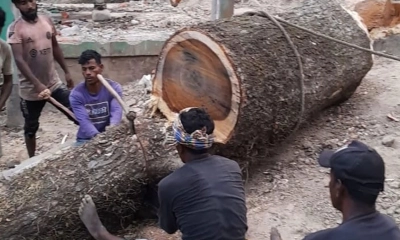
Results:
<point x="288" y="190"/>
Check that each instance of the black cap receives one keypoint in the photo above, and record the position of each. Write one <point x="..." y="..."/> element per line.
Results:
<point x="359" y="167"/>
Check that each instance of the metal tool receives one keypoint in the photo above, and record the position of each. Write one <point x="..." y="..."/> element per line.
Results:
<point x="222" y="9"/>
<point x="130" y="115"/>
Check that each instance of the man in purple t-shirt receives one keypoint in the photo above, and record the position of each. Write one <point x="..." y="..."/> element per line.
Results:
<point x="93" y="105"/>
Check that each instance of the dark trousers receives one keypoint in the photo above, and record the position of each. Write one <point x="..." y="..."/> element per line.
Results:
<point x="31" y="110"/>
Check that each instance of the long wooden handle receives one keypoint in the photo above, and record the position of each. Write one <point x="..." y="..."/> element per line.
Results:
<point x="55" y="102"/>
<point x="127" y="112"/>
<point x="113" y="92"/>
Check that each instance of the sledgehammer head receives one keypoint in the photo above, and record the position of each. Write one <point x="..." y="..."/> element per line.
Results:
<point x="131" y="116"/>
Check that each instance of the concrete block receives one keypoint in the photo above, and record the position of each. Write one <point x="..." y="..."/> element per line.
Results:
<point x="116" y="49"/>
<point x="101" y="15"/>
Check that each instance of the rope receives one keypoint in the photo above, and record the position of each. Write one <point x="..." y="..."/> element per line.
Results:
<point x="264" y="14"/>
<point x="298" y="58"/>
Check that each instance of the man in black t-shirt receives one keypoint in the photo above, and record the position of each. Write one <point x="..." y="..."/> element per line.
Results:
<point x="357" y="178"/>
<point x="205" y="198"/>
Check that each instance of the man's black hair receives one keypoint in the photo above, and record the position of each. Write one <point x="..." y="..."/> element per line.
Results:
<point x="16" y="1"/>
<point x="195" y="119"/>
<point x="357" y="196"/>
<point x="2" y="17"/>
<point x="88" y="55"/>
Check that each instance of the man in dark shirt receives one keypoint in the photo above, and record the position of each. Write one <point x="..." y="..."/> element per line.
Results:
<point x="204" y="199"/>
<point x="357" y="178"/>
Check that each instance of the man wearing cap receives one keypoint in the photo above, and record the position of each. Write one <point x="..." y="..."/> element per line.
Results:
<point x="356" y="179"/>
<point x="204" y="199"/>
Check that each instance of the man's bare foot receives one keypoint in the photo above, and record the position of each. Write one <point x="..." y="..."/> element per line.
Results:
<point x="88" y="214"/>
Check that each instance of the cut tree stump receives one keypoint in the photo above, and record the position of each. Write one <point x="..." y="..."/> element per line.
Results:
<point x="378" y="13"/>
<point x="241" y="70"/>
<point x="244" y="72"/>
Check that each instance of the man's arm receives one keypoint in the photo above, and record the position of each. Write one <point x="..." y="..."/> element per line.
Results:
<point x="115" y="108"/>
<point x="82" y="116"/>
<point x="15" y="40"/>
<point x="7" y="74"/>
<point x="57" y="52"/>
<point x="166" y="218"/>
<point x="59" y="56"/>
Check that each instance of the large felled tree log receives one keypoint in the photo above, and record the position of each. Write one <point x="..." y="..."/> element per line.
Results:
<point x="246" y="75"/>
<point x="244" y="72"/>
<point x="42" y="202"/>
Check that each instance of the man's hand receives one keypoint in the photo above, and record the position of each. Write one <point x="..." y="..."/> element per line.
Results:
<point x="45" y="94"/>
<point x="68" y="79"/>
<point x="43" y="91"/>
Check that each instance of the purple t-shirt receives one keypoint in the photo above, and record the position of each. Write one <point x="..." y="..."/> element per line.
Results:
<point x="95" y="111"/>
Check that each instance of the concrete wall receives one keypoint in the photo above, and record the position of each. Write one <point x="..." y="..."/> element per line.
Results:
<point x="123" y="62"/>
<point x="120" y="69"/>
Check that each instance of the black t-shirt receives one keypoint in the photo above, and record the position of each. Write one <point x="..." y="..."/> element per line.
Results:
<point x="205" y="200"/>
<point x="373" y="226"/>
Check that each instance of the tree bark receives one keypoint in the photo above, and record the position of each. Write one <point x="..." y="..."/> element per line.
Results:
<point x="244" y="72"/>
<point x="42" y="202"/>
<point x="250" y="87"/>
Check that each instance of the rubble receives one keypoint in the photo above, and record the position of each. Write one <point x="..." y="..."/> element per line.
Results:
<point x="134" y="20"/>
<point x="388" y="141"/>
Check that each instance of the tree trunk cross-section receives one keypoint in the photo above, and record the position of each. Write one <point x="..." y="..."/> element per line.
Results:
<point x="244" y="72"/>
<point x="241" y="70"/>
